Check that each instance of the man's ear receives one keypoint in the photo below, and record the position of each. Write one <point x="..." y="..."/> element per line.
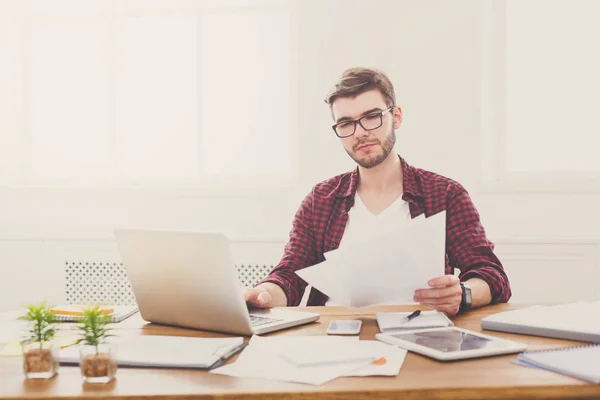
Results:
<point x="397" y="117"/>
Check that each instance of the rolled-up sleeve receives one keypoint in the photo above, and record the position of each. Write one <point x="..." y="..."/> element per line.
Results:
<point x="469" y="249"/>
<point x="299" y="252"/>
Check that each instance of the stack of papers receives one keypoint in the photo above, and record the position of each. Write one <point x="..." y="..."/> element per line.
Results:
<point x="314" y="359"/>
<point x="386" y="268"/>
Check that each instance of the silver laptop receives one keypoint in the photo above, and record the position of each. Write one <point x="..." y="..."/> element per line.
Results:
<point x="188" y="279"/>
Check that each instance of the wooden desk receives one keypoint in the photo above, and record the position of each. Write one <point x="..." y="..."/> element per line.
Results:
<point x="419" y="377"/>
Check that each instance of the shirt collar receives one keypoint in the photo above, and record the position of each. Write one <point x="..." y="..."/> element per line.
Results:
<point x="410" y="186"/>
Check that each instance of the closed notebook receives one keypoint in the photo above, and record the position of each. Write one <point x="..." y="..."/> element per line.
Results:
<point x="578" y="321"/>
<point x="392" y="321"/>
<point x="167" y="351"/>
<point x="70" y="313"/>
<point x="579" y="362"/>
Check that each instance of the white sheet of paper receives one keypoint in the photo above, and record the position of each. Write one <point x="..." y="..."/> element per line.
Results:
<point x="384" y="359"/>
<point x="394" y="358"/>
<point x="15" y="330"/>
<point x="331" y="352"/>
<point x="326" y="278"/>
<point x="387" y="268"/>
<point x="262" y="359"/>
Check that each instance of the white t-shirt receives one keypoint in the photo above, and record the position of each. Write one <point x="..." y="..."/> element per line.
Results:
<point x="362" y="223"/>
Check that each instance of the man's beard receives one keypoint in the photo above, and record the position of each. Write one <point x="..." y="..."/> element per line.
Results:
<point x="369" y="161"/>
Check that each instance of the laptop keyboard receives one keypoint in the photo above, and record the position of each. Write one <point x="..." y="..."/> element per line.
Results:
<point x="255" y="320"/>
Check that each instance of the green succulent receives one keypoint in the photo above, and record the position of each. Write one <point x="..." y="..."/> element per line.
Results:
<point x="93" y="328"/>
<point x="42" y="323"/>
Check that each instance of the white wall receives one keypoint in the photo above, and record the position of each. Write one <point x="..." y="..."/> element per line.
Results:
<point x="430" y="49"/>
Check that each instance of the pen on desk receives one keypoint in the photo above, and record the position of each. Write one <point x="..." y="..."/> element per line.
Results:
<point x="227" y="355"/>
<point x="411" y="316"/>
<point x="230" y="353"/>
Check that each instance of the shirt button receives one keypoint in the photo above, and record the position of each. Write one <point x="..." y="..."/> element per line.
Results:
<point x="344" y="212"/>
<point x="333" y="245"/>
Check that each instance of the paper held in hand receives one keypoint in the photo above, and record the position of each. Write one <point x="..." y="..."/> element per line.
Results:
<point x="387" y="268"/>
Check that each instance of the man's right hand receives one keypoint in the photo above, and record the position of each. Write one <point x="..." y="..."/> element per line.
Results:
<point x="258" y="297"/>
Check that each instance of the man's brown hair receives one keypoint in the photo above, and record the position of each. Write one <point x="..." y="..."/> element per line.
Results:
<point x="355" y="81"/>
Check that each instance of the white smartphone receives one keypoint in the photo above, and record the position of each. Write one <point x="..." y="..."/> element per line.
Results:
<point x="344" y="327"/>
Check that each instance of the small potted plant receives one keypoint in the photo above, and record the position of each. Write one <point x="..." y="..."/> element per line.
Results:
<point x="40" y="355"/>
<point x="97" y="358"/>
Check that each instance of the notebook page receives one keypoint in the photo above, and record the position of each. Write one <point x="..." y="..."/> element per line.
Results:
<point x="580" y="362"/>
<point x="427" y="319"/>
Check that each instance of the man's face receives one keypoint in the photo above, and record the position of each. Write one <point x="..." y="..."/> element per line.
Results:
<point x="368" y="148"/>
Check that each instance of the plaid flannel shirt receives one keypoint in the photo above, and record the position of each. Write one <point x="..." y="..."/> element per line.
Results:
<point x="319" y="224"/>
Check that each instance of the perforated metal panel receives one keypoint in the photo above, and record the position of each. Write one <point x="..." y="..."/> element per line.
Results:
<point x="250" y="274"/>
<point x="90" y="282"/>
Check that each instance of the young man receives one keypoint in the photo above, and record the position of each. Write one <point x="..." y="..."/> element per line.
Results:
<point x="383" y="191"/>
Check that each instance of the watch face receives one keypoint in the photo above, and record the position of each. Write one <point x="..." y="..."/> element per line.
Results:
<point x="466" y="297"/>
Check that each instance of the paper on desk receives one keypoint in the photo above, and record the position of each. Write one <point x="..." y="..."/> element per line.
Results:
<point x="330" y="352"/>
<point x="384" y="359"/>
<point x="387" y="365"/>
<point x="16" y="349"/>
<point x="387" y="268"/>
<point x="13" y="330"/>
<point x="262" y="359"/>
<point x="266" y="358"/>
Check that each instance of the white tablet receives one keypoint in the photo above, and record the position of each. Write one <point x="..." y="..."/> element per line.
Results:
<point x="451" y="343"/>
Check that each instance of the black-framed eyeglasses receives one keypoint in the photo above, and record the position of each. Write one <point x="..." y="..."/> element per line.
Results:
<point x="368" y="122"/>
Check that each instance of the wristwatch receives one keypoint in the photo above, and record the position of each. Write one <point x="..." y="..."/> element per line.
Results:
<point x="466" y="301"/>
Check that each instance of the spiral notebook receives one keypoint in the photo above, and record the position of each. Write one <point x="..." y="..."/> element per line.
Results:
<point x="69" y="313"/>
<point x="578" y="321"/>
<point x="581" y="362"/>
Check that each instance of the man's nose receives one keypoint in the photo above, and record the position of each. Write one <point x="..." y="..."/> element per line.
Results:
<point x="360" y="131"/>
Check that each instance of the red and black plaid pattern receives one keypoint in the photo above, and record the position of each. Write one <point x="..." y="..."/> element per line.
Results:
<point x="320" y="221"/>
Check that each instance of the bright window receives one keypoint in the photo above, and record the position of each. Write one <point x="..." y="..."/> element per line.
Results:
<point x="146" y="93"/>
<point x="541" y="90"/>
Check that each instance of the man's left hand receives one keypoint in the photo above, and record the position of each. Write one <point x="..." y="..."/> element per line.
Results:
<point x="444" y="294"/>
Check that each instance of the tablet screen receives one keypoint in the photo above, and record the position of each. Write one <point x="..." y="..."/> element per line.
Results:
<point x="445" y="340"/>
